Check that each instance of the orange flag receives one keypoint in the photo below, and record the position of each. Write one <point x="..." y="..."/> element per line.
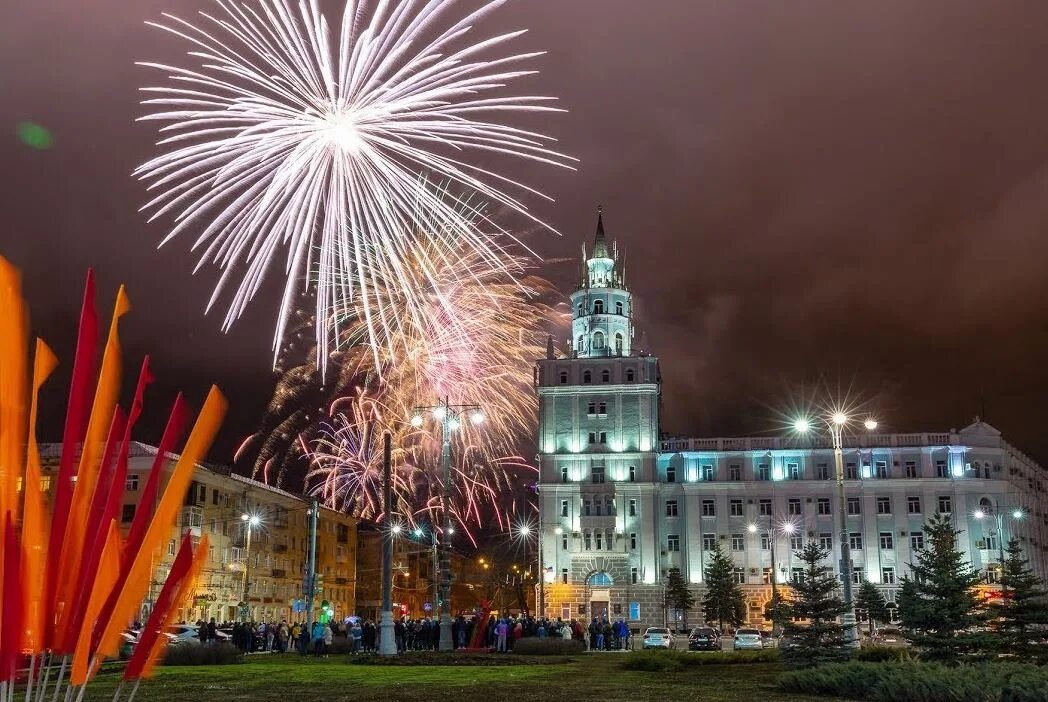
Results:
<point x="134" y="587"/>
<point x="34" y="514"/>
<point x="90" y="460"/>
<point x="105" y="578"/>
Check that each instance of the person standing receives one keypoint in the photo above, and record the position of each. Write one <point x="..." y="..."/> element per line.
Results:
<point x="501" y="630"/>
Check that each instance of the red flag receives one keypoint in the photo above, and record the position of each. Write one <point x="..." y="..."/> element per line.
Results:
<point x="176" y="426"/>
<point x="11" y="633"/>
<point x="80" y="397"/>
<point x="164" y="602"/>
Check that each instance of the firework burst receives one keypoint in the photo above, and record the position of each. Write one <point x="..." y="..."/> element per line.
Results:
<point x="285" y="136"/>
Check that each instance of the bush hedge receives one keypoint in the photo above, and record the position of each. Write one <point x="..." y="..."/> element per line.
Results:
<point x="203" y="654"/>
<point x="443" y="658"/>
<point x="663" y="661"/>
<point x="883" y="654"/>
<point x="533" y="646"/>
<point x="922" y="682"/>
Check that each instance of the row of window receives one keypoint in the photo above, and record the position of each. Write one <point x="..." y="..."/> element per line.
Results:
<point x="598" y="308"/>
<point x="792" y="471"/>
<point x="823" y="506"/>
<point x="605" y="375"/>
<point x="825" y="540"/>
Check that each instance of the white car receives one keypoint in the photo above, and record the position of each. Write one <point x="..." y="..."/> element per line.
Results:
<point x="658" y="637"/>
<point x="747" y="639"/>
<point x="190" y="633"/>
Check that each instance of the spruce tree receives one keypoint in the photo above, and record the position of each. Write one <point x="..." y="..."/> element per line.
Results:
<point x="1021" y="615"/>
<point x="814" y="600"/>
<point x="723" y="601"/>
<point x="678" y="596"/>
<point x="938" y="604"/>
<point x="871" y="600"/>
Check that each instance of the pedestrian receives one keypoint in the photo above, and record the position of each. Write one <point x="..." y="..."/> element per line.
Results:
<point x="318" y="639"/>
<point x="329" y="637"/>
<point x="501" y="631"/>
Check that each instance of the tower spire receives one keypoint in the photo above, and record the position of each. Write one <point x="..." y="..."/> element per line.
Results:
<point x="600" y="245"/>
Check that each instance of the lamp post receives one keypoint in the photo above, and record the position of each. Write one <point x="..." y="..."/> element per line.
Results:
<point x="450" y="418"/>
<point x="250" y="522"/>
<point x="525" y="533"/>
<point x="787" y="528"/>
<point x="836" y="424"/>
<point x="387" y="637"/>
<point x="998" y="514"/>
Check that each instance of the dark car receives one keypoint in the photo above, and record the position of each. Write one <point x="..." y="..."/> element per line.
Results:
<point x="703" y="638"/>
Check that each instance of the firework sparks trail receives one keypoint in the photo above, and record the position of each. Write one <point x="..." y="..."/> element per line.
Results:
<point x="285" y="136"/>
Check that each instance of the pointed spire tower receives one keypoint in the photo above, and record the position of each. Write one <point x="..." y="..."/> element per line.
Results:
<point x="602" y="320"/>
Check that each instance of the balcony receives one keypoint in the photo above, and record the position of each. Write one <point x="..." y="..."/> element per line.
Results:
<point x="279" y="573"/>
<point x="279" y="548"/>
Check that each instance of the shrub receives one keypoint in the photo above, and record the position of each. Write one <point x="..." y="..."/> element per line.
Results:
<point x="667" y="661"/>
<point x="548" y="647"/>
<point x="445" y="658"/>
<point x="882" y="654"/>
<point x="922" y="682"/>
<point x="653" y="661"/>
<point x="203" y="654"/>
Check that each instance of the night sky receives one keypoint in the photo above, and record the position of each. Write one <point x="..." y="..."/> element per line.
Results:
<point x="809" y="194"/>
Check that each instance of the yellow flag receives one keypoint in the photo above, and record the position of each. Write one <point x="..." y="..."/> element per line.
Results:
<point x="159" y="530"/>
<point x="34" y="514"/>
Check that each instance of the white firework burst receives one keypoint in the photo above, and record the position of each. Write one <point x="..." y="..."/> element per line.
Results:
<point x="285" y="138"/>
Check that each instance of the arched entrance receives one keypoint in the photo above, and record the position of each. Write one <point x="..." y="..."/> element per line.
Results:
<point x="598" y="588"/>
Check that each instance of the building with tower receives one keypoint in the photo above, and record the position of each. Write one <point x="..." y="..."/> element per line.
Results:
<point x="620" y="504"/>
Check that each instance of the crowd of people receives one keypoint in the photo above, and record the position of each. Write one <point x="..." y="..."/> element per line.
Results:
<point x="421" y="634"/>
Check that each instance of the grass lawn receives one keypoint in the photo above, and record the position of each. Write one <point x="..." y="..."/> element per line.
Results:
<point x="589" y="677"/>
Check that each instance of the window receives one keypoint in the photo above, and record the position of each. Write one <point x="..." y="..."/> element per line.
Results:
<point x="633" y="508"/>
<point x="887" y="542"/>
<point x="739" y="576"/>
<point x="945" y="504"/>
<point x="599" y="538"/>
<point x="855" y="541"/>
<point x="709" y="542"/>
<point x="822" y="471"/>
<point x="765" y="542"/>
<point x="563" y="377"/>
<point x="633" y="542"/>
<point x="763" y="472"/>
<point x="598" y="307"/>
<point x="671" y="474"/>
<point x="708" y="508"/>
<point x="618" y="308"/>
<point x="671" y="508"/>
<point x="738" y="542"/>
<point x="857" y="575"/>
<point x="598" y="341"/>
<point x="797" y="575"/>
<point x="881" y="469"/>
<point x="706" y="472"/>
<point x="580" y="309"/>
<point x="609" y="506"/>
<point x="586" y="507"/>
<point x="854" y="506"/>
<point x="564" y="474"/>
<point x="596" y="507"/>
<point x="587" y="539"/>
<point x="618" y="344"/>
<point x="131" y="482"/>
<point x="796" y="542"/>
<point x="170" y="546"/>
<point x="633" y="474"/>
<point x="602" y="408"/>
<point x="563" y="508"/>
<point x="735" y="472"/>
<point x="793" y="506"/>
<point x="888" y="575"/>
<point x="826" y="541"/>
<point x="605" y="376"/>
<point x="911" y="469"/>
<point x="587" y="377"/>
<point x="766" y="576"/>
<point x="564" y="576"/>
<point x="764" y="508"/>
<point x="673" y="542"/>
<point x="793" y="471"/>
<point x="990" y="542"/>
<point x="127" y="514"/>
<point x="598" y="474"/>
<point x="849" y="471"/>
<point x="884" y="505"/>
<point x="940" y="470"/>
<point x="823" y="506"/>
<point x="917" y="541"/>
<point x="633" y="579"/>
<point x="992" y="574"/>
<point x="564" y="542"/>
<point x="591" y="409"/>
<point x="735" y="508"/>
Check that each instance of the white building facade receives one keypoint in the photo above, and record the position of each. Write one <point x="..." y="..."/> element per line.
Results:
<point x="619" y="507"/>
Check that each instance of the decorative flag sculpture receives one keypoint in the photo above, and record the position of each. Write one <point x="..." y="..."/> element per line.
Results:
<point x="69" y="582"/>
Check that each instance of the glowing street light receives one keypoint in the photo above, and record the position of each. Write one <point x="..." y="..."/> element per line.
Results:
<point x="416" y="421"/>
<point x="802" y="425"/>
<point x="477" y="417"/>
<point x="870" y="424"/>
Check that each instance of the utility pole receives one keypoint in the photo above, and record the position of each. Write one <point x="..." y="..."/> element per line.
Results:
<point x="446" y="642"/>
<point x="851" y="636"/>
<point x="311" y="563"/>
<point x="387" y="642"/>
<point x="244" y="611"/>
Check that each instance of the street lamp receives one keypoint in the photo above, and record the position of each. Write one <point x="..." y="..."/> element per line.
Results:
<point x="450" y="418"/>
<point x="250" y="522"/>
<point x="836" y="423"/>
<point x="524" y="531"/>
<point x="998" y="515"/>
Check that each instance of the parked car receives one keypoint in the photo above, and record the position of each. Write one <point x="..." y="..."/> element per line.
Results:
<point x="658" y="637"/>
<point x="747" y="639"/>
<point x="889" y="636"/>
<point x="703" y="638"/>
<point x="767" y="640"/>
<point x="190" y="633"/>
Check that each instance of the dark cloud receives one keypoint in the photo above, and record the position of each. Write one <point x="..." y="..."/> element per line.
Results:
<point x="805" y="192"/>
